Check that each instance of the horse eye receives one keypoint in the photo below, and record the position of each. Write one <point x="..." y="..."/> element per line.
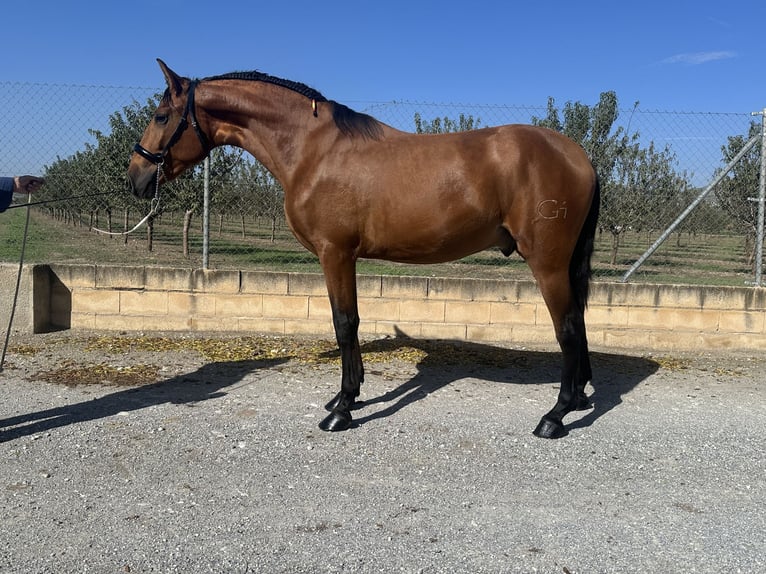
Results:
<point x="161" y="119"/>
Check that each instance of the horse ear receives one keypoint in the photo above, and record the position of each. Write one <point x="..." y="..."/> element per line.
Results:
<point x="173" y="79"/>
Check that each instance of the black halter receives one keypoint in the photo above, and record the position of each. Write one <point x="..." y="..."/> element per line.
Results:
<point x="159" y="158"/>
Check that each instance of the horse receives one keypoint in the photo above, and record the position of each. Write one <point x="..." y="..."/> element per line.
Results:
<point x="355" y="188"/>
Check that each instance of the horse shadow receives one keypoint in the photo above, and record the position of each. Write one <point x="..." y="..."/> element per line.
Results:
<point x="442" y="362"/>
<point x="448" y="361"/>
<point x="205" y="383"/>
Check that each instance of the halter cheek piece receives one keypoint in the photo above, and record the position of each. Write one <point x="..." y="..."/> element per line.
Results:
<point x="159" y="158"/>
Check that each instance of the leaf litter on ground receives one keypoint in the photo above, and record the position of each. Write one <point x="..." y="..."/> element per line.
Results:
<point x="302" y="350"/>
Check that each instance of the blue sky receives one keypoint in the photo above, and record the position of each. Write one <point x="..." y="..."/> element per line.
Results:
<point x="685" y="56"/>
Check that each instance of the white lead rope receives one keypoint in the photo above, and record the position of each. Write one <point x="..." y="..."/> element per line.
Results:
<point x="152" y="212"/>
<point x="153" y="209"/>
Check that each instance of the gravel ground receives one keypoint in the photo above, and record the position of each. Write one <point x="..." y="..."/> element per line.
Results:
<point x="158" y="453"/>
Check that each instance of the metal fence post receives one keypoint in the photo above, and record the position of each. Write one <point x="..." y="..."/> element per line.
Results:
<point x="761" y="200"/>
<point x="206" y="214"/>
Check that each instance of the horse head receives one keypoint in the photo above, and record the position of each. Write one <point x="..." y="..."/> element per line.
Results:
<point x="167" y="148"/>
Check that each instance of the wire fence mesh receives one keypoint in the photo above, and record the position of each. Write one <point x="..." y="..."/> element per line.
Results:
<point x="652" y="163"/>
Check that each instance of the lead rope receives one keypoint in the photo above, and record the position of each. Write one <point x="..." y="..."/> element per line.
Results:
<point x="153" y="209"/>
<point x="18" y="283"/>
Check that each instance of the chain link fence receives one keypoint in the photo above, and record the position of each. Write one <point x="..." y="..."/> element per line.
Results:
<point x="653" y="165"/>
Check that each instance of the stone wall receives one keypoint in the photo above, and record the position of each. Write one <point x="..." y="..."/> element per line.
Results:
<point x="638" y="316"/>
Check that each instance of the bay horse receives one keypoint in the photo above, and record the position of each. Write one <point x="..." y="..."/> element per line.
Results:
<point x="355" y="188"/>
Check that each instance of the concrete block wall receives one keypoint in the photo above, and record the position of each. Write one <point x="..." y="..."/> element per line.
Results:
<point x="637" y="316"/>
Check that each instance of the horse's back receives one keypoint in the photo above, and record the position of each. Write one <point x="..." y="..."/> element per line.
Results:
<point x="528" y="174"/>
<point x="513" y="156"/>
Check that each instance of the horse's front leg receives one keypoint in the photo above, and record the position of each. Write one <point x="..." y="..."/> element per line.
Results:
<point x="340" y="276"/>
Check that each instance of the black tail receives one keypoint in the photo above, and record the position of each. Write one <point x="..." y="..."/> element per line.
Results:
<point x="579" y="266"/>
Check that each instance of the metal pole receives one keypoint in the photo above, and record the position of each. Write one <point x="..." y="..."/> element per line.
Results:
<point x="761" y="200"/>
<point x="206" y="214"/>
<point x="18" y="283"/>
<point x="689" y="209"/>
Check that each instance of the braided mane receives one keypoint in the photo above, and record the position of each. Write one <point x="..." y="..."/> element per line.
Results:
<point x="255" y="76"/>
<point x="348" y="121"/>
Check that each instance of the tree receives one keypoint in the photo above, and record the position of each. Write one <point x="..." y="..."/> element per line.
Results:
<point x="64" y="180"/>
<point x="110" y="155"/>
<point x="446" y="125"/>
<point x="740" y="184"/>
<point x="264" y="191"/>
<point x="635" y="181"/>
<point x="593" y="128"/>
<point x="98" y="171"/>
<point x="189" y="189"/>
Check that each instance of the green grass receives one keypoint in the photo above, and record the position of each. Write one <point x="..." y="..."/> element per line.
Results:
<point x="690" y="259"/>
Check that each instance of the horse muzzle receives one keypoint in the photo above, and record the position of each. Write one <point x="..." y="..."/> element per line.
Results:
<point x="143" y="182"/>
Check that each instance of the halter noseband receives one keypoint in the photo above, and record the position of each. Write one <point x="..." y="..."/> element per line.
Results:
<point x="159" y="158"/>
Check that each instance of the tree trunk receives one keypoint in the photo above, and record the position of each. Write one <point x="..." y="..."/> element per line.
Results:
<point x="187" y="225"/>
<point x="242" y="220"/>
<point x="750" y="250"/>
<point x="125" y="220"/>
<point x="615" y="246"/>
<point x="273" y="229"/>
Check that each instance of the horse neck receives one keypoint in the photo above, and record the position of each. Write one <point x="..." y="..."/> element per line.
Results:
<point x="270" y="122"/>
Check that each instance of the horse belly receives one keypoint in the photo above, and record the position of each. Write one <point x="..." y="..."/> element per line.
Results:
<point x="433" y="216"/>
<point x="427" y="237"/>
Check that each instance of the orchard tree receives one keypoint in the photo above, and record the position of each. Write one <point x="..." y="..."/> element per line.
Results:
<point x="634" y="180"/>
<point x="64" y="180"/>
<point x="188" y="192"/>
<point x="110" y="156"/>
<point x="263" y="191"/>
<point x="98" y="171"/>
<point x="740" y="184"/>
<point x="593" y="128"/>
<point x="446" y="125"/>
<point x="102" y="166"/>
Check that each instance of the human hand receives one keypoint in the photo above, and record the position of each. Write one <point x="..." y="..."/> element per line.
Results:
<point x="27" y="183"/>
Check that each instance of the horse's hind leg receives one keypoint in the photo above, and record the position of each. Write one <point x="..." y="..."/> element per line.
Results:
<point x="585" y="373"/>
<point x="340" y="276"/>
<point x="569" y="324"/>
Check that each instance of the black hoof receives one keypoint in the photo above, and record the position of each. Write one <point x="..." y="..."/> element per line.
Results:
<point x="550" y="429"/>
<point x="336" y="421"/>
